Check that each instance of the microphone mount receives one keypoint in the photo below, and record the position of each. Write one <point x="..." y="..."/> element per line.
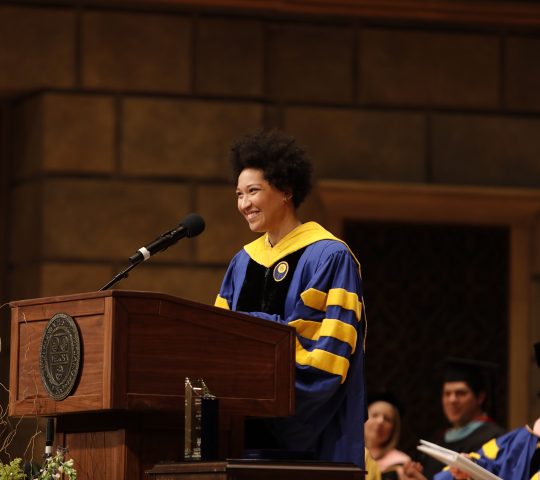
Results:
<point x="190" y="226"/>
<point x="119" y="276"/>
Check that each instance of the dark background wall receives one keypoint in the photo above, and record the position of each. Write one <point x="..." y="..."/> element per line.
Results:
<point x="116" y="121"/>
<point x="433" y="292"/>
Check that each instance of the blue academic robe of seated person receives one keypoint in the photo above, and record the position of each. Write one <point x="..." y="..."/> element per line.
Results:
<point x="509" y="456"/>
<point x="311" y="281"/>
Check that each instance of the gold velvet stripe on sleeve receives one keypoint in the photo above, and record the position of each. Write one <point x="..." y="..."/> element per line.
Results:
<point x="318" y="300"/>
<point x="322" y="360"/>
<point x="221" y="303"/>
<point x="315" y="299"/>
<point x="328" y="328"/>
<point x="491" y="449"/>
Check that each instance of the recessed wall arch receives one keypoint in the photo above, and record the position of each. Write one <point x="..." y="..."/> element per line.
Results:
<point x="516" y="209"/>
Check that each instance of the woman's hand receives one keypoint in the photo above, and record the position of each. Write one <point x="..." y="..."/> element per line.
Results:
<point x="458" y="474"/>
<point x="412" y="471"/>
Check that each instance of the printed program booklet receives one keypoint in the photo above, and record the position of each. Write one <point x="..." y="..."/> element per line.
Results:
<point x="454" y="459"/>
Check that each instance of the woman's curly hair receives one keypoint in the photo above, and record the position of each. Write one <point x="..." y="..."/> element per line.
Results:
<point x="284" y="163"/>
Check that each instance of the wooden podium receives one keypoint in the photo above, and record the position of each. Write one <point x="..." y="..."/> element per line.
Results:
<point x="256" y="470"/>
<point x="125" y="411"/>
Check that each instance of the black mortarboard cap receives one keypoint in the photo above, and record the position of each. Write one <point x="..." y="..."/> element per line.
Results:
<point x="477" y="374"/>
<point x="385" y="396"/>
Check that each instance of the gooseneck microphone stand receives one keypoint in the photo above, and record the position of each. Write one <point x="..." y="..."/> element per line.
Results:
<point x="190" y="226"/>
<point x="119" y="276"/>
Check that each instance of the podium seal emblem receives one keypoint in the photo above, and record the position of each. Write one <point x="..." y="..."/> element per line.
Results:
<point x="60" y="356"/>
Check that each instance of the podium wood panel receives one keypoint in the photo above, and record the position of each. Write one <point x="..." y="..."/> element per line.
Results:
<point x="125" y="412"/>
<point x="137" y="348"/>
<point x="256" y="470"/>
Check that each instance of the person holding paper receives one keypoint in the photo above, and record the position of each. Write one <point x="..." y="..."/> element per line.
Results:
<point x="513" y="456"/>
<point x="299" y="274"/>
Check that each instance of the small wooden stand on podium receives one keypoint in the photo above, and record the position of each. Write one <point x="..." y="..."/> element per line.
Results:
<point x="125" y="411"/>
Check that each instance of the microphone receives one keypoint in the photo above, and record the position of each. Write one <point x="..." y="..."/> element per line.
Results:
<point x="49" y="437"/>
<point x="190" y="226"/>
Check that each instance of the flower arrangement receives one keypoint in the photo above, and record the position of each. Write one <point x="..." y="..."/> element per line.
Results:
<point x="55" y="467"/>
<point x="12" y="470"/>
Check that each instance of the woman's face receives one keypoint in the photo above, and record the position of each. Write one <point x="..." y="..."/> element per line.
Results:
<point x="380" y="424"/>
<point x="261" y="204"/>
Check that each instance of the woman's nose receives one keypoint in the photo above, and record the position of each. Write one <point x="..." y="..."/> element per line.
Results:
<point x="243" y="202"/>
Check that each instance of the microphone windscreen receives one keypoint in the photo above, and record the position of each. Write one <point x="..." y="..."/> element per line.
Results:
<point x="194" y="224"/>
<point x="49" y="431"/>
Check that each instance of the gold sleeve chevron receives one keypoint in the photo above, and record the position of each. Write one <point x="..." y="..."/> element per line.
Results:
<point x="222" y="303"/>
<point x="491" y="449"/>
<point x="323" y="360"/>
<point x="327" y="328"/>
<point x="340" y="297"/>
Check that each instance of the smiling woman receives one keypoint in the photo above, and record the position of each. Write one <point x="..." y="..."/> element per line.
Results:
<point x="382" y="431"/>
<point x="265" y="208"/>
<point x="301" y="275"/>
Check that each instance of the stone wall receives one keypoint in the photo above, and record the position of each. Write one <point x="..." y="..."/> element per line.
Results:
<point x="121" y="121"/>
<point x="116" y="123"/>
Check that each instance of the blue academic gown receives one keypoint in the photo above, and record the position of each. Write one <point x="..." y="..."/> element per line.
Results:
<point x="508" y="456"/>
<point x="324" y="304"/>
